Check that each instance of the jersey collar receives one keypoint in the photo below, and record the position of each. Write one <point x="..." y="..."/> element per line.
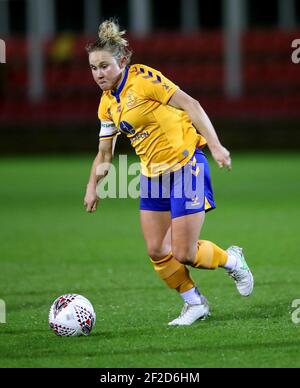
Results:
<point x="117" y="93"/>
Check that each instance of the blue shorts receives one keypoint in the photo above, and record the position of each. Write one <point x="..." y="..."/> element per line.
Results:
<point x="183" y="192"/>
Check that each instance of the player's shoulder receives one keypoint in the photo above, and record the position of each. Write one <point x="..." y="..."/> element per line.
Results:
<point x="105" y="96"/>
<point x="104" y="103"/>
<point x="143" y="71"/>
<point x="104" y="99"/>
<point x="144" y="77"/>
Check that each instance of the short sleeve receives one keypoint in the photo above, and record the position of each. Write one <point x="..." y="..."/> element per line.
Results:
<point x="155" y="85"/>
<point x="108" y="129"/>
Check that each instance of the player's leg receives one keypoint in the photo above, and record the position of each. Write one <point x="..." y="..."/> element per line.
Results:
<point x="189" y="250"/>
<point x="202" y="254"/>
<point x="185" y="234"/>
<point x="156" y="227"/>
<point x="206" y="255"/>
<point x="191" y="197"/>
<point x="188" y="213"/>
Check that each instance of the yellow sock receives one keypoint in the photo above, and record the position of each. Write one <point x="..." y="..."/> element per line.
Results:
<point x="210" y="256"/>
<point x="173" y="273"/>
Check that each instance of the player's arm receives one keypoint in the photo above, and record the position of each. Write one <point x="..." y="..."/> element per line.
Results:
<point x="203" y="125"/>
<point x="100" y="169"/>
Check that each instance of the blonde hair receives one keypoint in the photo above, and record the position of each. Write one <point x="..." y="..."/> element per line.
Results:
<point x="110" y="38"/>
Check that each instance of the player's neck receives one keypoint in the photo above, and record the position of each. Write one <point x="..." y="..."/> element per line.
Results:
<point x="119" y="81"/>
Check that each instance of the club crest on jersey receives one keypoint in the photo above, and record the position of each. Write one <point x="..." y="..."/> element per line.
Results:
<point x="131" y="100"/>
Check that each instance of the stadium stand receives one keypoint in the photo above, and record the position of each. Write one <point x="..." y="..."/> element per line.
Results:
<point x="271" y="80"/>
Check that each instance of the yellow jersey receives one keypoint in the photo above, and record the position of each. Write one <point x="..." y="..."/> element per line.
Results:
<point x="163" y="137"/>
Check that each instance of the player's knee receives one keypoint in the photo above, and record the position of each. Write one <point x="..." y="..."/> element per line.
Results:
<point x="157" y="253"/>
<point x="184" y="256"/>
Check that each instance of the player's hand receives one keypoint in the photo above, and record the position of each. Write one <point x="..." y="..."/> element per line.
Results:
<point x="222" y="157"/>
<point x="91" y="200"/>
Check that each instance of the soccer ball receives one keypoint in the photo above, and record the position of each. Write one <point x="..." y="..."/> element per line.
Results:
<point x="72" y="315"/>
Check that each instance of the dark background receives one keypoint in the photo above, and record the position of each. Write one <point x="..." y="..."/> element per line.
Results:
<point x="69" y="15"/>
<point x="266" y="116"/>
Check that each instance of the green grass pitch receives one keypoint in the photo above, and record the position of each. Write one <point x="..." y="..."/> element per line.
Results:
<point x="50" y="246"/>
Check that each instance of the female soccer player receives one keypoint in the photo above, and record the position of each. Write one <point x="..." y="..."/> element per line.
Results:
<point x="168" y="130"/>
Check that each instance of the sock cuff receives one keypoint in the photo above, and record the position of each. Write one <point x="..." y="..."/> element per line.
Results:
<point x="163" y="260"/>
<point x="210" y="256"/>
<point x="167" y="266"/>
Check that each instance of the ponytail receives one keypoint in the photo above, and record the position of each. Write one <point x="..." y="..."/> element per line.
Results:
<point x="110" y="38"/>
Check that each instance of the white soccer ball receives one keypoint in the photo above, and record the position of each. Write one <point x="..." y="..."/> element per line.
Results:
<point x="72" y="315"/>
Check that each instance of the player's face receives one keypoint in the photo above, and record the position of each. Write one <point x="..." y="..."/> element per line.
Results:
<point x="106" y="70"/>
